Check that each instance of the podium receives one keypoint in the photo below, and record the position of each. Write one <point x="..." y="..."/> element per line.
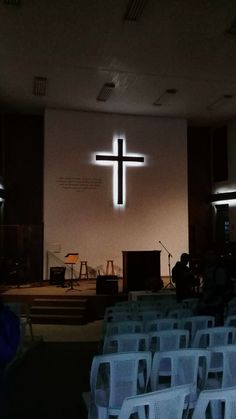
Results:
<point x="141" y="270"/>
<point x="71" y="259"/>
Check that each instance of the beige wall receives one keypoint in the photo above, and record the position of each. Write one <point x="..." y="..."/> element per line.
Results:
<point x="79" y="214"/>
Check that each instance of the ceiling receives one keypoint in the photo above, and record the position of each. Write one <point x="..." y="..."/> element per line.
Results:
<point x="78" y="45"/>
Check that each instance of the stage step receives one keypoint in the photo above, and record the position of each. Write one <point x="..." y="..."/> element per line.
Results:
<point x="60" y="301"/>
<point x="59" y="310"/>
<point x="57" y="319"/>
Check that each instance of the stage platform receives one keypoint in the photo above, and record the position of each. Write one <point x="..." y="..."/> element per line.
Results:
<point x="80" y="288"/>
<point x="62" y="305"/>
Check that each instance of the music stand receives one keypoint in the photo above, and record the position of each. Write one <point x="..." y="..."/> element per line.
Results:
<point x="71" y="259"/>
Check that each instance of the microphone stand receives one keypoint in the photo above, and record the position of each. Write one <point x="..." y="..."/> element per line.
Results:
<point x="170" y="284"/>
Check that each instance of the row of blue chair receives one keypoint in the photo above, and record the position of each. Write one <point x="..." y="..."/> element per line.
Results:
<point x="171" y="403"/>
<point x="114" y="377"/>
<point x="191" y="323"/>
<point x="169" y="339"/>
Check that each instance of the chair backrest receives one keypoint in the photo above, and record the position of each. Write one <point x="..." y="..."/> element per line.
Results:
<point x="125" y="303"/>
<point x="145" y="305"/>
<point x="165" y="323"/>
<point x="149" y="314"/>
<point x="230" y="320"/>
<point x="116" y="309"/>
<point x="208" y="398"/>
<point x="172" y="305"/>
<point x="128" y="326"/>
<point x="128" y="305"/>
<point x="164" y="340"/>
<point x="180" y="313"/>
<point x="185" y="366"/>
<point x="232" y="302"/>
<point x="231" y="310"/>
<point x="114" y="317"/>
<point x="194" y="323"/>
<point x="190" y="303"/>
<point x="214" y="336"/>
<point x="126" y="342"/>
<point x="117" y="315"/>
<point x="118" y="376"/>
<point x="226" y="357"/>
<point x="163" y="404"/>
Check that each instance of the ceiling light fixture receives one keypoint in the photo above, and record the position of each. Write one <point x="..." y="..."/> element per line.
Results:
<point x="219" y="102"/>
<point x="39" y="87"/>
<point x="105" y="92"/>
<point x="159" y="101"/>
<point x="134" y="10"/>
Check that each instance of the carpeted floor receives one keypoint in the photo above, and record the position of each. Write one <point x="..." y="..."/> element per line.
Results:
<point x="49" y="383"/>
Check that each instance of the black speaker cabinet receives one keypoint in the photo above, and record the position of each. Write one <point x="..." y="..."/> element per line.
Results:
<point x="107" y="284"/>
<point x="57" y="275"/>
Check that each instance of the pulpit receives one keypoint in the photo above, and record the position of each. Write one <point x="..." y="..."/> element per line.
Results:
<point x="141" y="270"/>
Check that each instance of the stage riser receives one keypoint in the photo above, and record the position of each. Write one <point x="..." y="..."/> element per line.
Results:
<point x="95" y="305"/>
<point x="78" y="311"/>
<point x="53" y="319"/>
<point x="59" y="311"/>
<point x="49" y="301"/>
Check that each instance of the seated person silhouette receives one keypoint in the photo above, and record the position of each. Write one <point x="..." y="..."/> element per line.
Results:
<point x="183" y="278"/>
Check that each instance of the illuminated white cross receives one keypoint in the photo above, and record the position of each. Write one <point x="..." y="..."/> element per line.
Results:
<point x="120" y="159"/>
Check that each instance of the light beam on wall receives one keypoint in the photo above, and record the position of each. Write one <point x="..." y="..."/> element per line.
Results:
<point x="225" y="196"/>
<point x="228" y="197"/>
<point x="2" y="192"/>
<point x="119" y="160"/>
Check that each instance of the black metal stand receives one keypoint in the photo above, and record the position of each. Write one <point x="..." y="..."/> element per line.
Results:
<point x="71" y="278"/>
<point x="170" y="284"/>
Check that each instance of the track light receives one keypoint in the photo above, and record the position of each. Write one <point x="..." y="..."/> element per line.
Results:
<point x="159" y="101"/>
<point x="12" y="2"/>
<point x="105" y="92"/>
<point x="219" y="102"/>
<point x="134" y="10"/>
<point x="39" y="87"/>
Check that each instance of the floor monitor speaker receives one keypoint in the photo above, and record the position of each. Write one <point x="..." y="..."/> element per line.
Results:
<point x="57" y="275"/>
<point x="107" y="284"/>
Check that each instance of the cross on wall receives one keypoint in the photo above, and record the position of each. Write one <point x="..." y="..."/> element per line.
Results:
<point x="121" y="159"/>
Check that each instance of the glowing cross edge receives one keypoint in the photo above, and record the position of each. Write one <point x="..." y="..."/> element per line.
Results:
<point x="120" y="159"/>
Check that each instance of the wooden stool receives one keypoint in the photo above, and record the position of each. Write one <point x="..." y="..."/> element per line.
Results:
<point x="110" y="268"/>
<point x="83" y="272"/>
